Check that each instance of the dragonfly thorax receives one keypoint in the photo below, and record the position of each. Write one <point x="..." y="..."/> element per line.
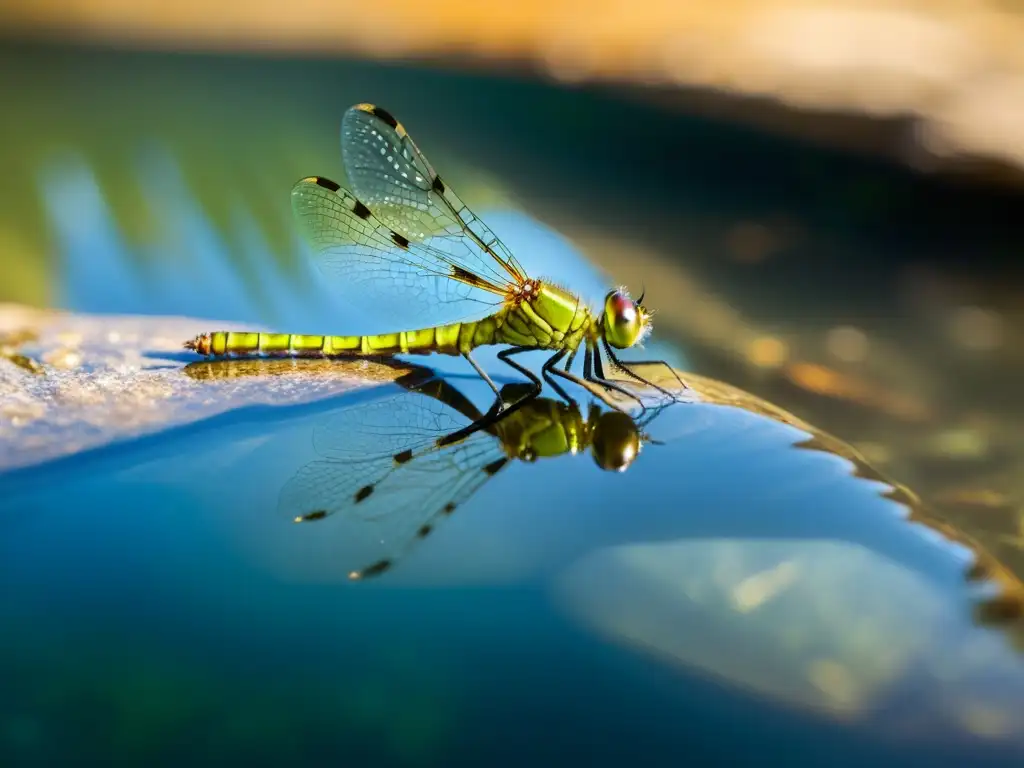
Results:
<point x="545" y="316"/>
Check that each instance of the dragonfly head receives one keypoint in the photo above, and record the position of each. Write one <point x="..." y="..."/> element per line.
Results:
<point x="615" y="441"/>
<point x="624" y="322"/>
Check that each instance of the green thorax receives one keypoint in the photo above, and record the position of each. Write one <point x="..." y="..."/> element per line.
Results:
<point x="544" y="316"/>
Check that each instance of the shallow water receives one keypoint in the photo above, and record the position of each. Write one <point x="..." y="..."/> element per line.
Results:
<point x="159" y="605"/>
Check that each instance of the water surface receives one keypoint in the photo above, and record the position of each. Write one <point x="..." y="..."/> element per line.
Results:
<point x="746" y="590"/>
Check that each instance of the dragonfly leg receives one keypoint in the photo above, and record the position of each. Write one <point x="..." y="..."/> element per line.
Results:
<point x="602" y="383"/>
<point x="483" y="374"/>
<point x="500" y="409"/>
<point x="598" y="365"/>
<point x="593" y="371"/>
<point x="493" y="415"/>
<point x="572" y="358"/>
<point x="504" y="356"/>
<point x="619" y="365"/>
<point x="550" y="363"/>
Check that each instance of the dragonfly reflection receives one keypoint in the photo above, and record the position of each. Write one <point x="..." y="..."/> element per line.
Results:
<point x="396" y="467"/>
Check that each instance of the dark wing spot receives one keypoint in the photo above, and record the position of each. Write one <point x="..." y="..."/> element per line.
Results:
<point x="383" y="114"/>
<point x="326" y="183"/>
<point x="361" y="210"/>
<point x="424" y="530"/>
<point x="449" y="508"/>
<point x="363" y="493"/>
<point x="318" y="514"/>
<point x="465" y="276"/>
<point x="403" y="456"/>
<point x="377" y="568"/>
<point x="400" y="241"/>
<point x="495" y="466"/>
<point x="438" y="185"/>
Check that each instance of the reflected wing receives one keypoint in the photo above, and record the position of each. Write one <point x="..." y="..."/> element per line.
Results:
<point x="389" y="173"/>
<point x="385" y="484"/>
<point x="370" y="263"/>
<point x="407" y="422"/>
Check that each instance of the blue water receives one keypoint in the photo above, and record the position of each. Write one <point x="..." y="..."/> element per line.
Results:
<point x="158" y="607"/>
<point x="733" y="597"/>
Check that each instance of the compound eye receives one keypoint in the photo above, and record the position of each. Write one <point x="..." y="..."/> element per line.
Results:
<point x="623" y="321"/>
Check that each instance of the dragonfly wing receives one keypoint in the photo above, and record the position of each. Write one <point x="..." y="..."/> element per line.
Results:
<point x="369" y="263"/>
<point x="393" y="177"/>
<point x="381" y="504"/>
<point x="405" y="423"/>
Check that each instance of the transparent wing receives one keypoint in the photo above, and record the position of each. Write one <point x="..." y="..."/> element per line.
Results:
<point x="389" y="173"/>
<point x="367" y="262"/>
<point x="404" y="424"/>
<point x="385" y="493"/>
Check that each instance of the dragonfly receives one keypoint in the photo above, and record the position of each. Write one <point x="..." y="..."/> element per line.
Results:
<point x="395" y="468"/>
<point x="402" y="235"/>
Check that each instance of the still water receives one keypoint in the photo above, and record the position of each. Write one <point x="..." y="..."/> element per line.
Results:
<point x="160" y="604"/>
<point x="747" y="590"/>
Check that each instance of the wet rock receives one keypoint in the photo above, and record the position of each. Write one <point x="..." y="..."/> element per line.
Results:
<point x="72" y="382"/>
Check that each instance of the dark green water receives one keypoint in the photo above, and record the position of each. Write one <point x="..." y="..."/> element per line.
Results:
<point x="731" y="598"/>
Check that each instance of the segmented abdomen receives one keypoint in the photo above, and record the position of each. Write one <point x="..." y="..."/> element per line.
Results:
<point x="453" y="339"/>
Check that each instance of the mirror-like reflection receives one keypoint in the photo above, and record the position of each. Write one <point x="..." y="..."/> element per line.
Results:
<point x="740" y="545"/>
<point x="163" y="598"/>
<point x="394" y="468"/>
<point x="389" y="471"/>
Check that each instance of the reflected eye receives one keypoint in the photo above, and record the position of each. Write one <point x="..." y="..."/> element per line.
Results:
<point x="623" y="320"/>
<point x="616" y="441"/>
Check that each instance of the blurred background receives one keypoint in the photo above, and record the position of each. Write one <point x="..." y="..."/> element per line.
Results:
<point x="822" y="197"/>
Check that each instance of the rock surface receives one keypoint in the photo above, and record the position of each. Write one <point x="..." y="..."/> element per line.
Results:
<point x="73" y="382"/>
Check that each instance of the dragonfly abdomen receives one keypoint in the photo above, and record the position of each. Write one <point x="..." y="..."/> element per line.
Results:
<point x="452" y="339"/>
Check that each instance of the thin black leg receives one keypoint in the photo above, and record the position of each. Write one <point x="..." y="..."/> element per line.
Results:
<point x="619" y="365"/>
<point x="500" y="409"/>
<point x="598" y="365"/>
<point x="605" y="384"/>
<point x="625" y="367"/>
<point x="482" y="372"/>
<point x="546" y="370"/>
<point x="597" y="376"/>
<point x="572" y="359"/>
<point x="504" y="356"/>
